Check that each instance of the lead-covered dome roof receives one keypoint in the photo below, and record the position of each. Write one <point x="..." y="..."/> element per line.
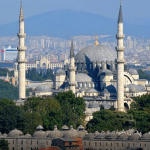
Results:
<point x="43" y="88"/>
<point x="96" y="53"/>
<point x="15" y="133"/>
<point x="132" y="71"/>
<point x="60" y="72"/>
<point x="83" y="77"/>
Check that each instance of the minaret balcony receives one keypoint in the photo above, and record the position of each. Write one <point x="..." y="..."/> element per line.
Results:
<point x="72" y="68"/>
<point x="120" y="48"/>
<point x="21" y="35"/>
<point x="120" y="36"/>
<point x="72" y="83"/>
<point x="22" y="60"/>
<point x="120" y="61"/>
<point x="21" y="48"/>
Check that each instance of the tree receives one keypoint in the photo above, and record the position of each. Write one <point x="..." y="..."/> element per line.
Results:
<point x="6" y="102"/>
<point x="31" y="121"/>
<point x="11" y="117"/>
<point x="48" y="108"/>
<point x="140" y="109"/>
<point x="72" y="108"/>
<point x="111" y="120"/>
<point x="4" y="144"/>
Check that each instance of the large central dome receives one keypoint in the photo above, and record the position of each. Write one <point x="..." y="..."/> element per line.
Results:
<point x="96" y="53"/>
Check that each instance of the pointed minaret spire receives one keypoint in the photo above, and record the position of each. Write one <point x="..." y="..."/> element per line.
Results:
<point x="72" y="50"/>
<point x="120" y="17"/>
<point x="21" y="17"/>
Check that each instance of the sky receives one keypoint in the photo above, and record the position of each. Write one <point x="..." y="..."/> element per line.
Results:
<point x="132" y="9"/>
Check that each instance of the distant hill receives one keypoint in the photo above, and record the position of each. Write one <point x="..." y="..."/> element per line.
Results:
<point x="63" y="23"/>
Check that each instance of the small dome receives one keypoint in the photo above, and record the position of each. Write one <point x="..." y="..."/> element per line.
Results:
<point x="106" y="72"/>
<point x="5" y="134"/>
<point x="55" y="133"/>
<point x="111" y="89"/>
<point x="105" y="91"/>
<point x="65" y="127"/>
<point x="91" y="90"/>
<point x="83" y="77"/>
<point x="106" y="105"/>
<point x="39" y="134"/>
<point x="28" y="135"/>
<point x="134" y="137"/>
<point x="89" y="136"/>
<point x="71" y="133"/>
<point x="96" y="133"/>
<point x="146" y="136"/>
<point x="132" y="71"/>
<point x="60" y="72"/>
<point x="0" y="134"/>
<point x="43" y="88"/>
<point x="39" y="127"/>
<point x="80" y="127"/>
<point x="123" y="136"/>
<point x="111" y="136"/>
<point x="93" y="105"/>
<point x="15" y="133"/>
<point x="100" y="136"/>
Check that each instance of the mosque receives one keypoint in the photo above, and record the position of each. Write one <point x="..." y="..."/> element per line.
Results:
<point x="96" y="73"/>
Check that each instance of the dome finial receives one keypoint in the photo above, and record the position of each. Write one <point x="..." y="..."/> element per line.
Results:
<point x="120" y="2"/>
<point x="96" y="41"/>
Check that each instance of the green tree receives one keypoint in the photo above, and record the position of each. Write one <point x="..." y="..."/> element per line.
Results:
<point x="6" y="102"/>
<point x="11" y="117"/>
<point x="31" y="121"/>
<point x="4" y="144"/>
<point x="140" y="109"/>
<point x="72" y="108"/>
<point x="111" y="120"/>
<point x="48" y="108"/>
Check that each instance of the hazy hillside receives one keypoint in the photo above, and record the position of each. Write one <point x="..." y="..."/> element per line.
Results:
<point x="63" y="23"/>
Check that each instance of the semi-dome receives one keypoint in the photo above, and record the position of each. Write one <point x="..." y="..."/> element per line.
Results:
<point x="60" y="72"/>
<point x="43" y="88"/>
<point x="106" y="72"/>
<point x="132" y="71"/>
<point x="136" y="88"/>
<point x="123" y="136"/>
<point x="93" y="105"/>
<point x="105" y="105"/>
<point x="96" y="53"/>
<point x="91" y="90"/>
<point x="55" y="133"/>
<point x="83" y="77"/>
<point x="15" y="133"/>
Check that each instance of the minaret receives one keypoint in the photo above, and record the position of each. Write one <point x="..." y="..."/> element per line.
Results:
<point x="120" y="62"/>
<point x="21" y="56"/>
<point x="72" y="68"/>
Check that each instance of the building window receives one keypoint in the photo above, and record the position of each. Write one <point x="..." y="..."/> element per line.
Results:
<point x="21" y="141"/>
<point x="117" y="144"/>
<point x="84" y="143"/>
<point x="95" y="144"/>
<point x="37" y="142"/>
<point x="21" y="148"/>
<point x="46" y="142"/>
<point x="31" y="142"/>
<point x="99" y="144"/>
<point x="111" y="144"/>
<point x="13" y="142"/>
<point x="145" y="145"/>
<point x="13" y="148"/>
<point x="122" y="144"/>
<point x="106" y="143"/>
